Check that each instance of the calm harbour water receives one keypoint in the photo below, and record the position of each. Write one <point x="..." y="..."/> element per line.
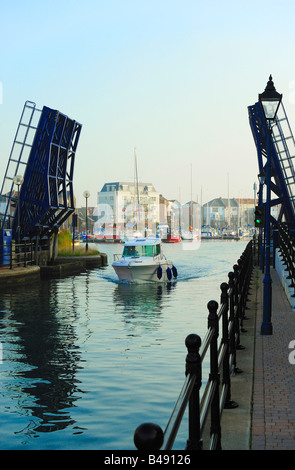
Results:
<point x="86" y="359"/>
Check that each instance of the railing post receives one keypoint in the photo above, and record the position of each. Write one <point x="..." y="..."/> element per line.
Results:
<point x="194" y="367"/>
<point x="214" y="375"/>
<point x="232" y="319"/>
<point x="229" y="403"/>
<point x="248" y="269"/>
<point x="10" y="254"/>
<point x="237" y="297"/>
<point x="291" y="260"/>
<point x="292" y="245"/>
<point x="236" y="305"/>
<point x="250" y="259"/>
<point x="242" y="264"/>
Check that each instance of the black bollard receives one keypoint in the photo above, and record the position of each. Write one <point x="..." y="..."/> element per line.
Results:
<point x="148" y="436"/>
<point x="194" y="368"/>
<point x="214" y="376"/>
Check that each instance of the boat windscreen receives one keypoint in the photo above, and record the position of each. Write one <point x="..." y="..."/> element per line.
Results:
<point x="141" y="250"/>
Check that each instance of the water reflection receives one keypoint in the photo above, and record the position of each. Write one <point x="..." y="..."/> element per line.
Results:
<point x="41" y="356"/>
<point x="141" y="304"/>
<point x="84" y="356"/>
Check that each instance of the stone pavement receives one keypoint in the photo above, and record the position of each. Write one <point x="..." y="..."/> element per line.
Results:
<point x="265" y="391"/>
<point x="273" y="413"/>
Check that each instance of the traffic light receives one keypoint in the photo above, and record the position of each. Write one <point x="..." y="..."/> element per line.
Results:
<point x="259" y="216"/>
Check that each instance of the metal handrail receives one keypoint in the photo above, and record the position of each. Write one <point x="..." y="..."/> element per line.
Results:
<point x="286" y="247"/>
<point x="17" y="254"/>
<point x="216" y="396"/>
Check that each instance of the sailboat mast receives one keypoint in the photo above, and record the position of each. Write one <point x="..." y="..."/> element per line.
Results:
<point x="191" y="181"/>
<point x="136" y="183"/>
<point x="228" y="200"/>
<point x="191" y="202"/>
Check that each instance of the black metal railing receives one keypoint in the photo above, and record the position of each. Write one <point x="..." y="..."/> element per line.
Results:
<point x="216" y="394"/>
<point x="17" y="254"/>
<point x="286" y="246"/>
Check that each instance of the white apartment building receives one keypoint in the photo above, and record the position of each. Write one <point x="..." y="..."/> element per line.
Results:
<point x="126" y="204"/>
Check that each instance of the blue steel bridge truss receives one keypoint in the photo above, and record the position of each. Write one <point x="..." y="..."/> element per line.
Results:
<point x="43" y="152"/>
<point x="282" y="150"/>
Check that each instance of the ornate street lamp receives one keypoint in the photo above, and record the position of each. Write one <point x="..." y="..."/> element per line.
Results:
<point x="18" y="180"/>
<point x="270" y="101"/>
<point x="86" y="194"/>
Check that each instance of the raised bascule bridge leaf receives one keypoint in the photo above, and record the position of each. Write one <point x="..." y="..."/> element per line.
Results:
<point x="43" y="152"/>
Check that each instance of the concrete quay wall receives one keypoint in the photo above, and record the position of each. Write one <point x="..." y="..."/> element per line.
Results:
<point x="18" y="276"/>
<point x="61" y="266"/>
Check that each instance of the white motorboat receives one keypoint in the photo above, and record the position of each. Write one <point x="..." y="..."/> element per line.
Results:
<point x="190" y="234"/>
<point x="142" y="260"/>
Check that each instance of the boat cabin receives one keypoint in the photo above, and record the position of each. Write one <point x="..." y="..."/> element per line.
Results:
<point x="142" y="247"/>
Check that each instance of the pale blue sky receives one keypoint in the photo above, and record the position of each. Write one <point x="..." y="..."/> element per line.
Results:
<point x="171" y="78"/>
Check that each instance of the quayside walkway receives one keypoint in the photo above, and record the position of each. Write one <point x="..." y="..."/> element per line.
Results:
<point x="265" y="391"/>
<point x="273" y="421"/>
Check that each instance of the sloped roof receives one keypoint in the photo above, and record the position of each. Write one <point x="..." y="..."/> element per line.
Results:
<point x="118" y="185"/>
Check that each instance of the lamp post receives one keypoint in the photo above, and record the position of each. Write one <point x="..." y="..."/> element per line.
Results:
<point x="261" y="178"/>
<point x="18" y="180"/>
<point x="270" y="101"/>
<point x="86" y="194"/>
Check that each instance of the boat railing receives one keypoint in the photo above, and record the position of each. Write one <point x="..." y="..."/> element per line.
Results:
<point x="216" y="393"/>
<point x="118" y="257"/>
